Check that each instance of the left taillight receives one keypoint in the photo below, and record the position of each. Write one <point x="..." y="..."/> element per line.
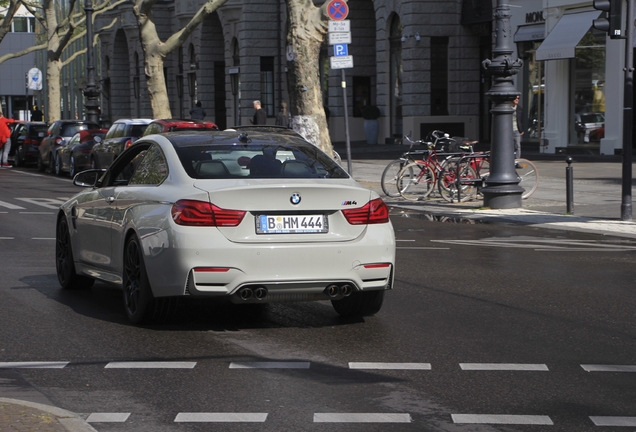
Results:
<point x="128" y="143"/>
<point x="374" y="212"/>
<point x="202" y="213"/>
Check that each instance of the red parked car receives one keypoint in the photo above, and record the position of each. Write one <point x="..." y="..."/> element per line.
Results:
<point x="172" y="125"/>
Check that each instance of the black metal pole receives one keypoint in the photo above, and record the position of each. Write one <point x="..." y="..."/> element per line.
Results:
<point x="628" y="103"/>
<point x="91" y="93"/>
<point x="346" y="119"/>
<point x="569" y="186"/>
<point x="502" y="189"/>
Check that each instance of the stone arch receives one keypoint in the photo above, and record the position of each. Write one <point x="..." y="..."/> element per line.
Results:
<point x="120" y="78"/>
<point x="211" y="82"/>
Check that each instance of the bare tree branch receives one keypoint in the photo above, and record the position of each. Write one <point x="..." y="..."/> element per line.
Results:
<point x="26" y="51"/>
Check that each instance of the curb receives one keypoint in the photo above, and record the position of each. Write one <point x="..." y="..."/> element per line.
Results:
<point x="71" y="421"/>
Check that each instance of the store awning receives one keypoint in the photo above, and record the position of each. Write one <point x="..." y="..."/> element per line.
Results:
<point x="566" y="35"/>
<point x="530" y="33"/>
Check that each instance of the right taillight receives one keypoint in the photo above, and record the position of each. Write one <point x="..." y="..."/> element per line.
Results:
<point x="374" y="212"/>
<point x="202" y="213"/>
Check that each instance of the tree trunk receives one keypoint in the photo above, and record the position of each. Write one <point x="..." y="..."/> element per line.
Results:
<point x="157" y="87"/>
<point x="306" y="30"/>
<point x="53" y="73"/>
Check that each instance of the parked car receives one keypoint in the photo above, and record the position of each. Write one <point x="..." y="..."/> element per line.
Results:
<point x="590" y="126"/>
<point x="25" y="140"/>
<point x="120" y="136"/>
<point x="75" y="156"/>
<point x="172" y="125"/>
<point x="249" y="218"/>
<point x="58" y="134"/>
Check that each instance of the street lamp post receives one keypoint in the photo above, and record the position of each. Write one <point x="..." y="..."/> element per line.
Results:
<point x="502" y="190"/>
<point x="91" y="93"/>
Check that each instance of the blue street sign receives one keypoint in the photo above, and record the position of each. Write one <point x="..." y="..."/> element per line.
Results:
<point x="340" y="50"/>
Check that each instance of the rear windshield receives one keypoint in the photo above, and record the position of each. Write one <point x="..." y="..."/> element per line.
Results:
<point x="137" y="130"/>
<point x="38" y="131"/>
<point x="71" y="129"/>
<point x="258" y="161"/>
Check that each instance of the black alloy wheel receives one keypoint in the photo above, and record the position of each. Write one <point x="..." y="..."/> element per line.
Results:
<point x="58" y="165"/>
<point x="51" y="167"/>
<point x="141" y="306"/>
<point x="64" y="264"/>
<point x="41" y="166"/>
<point x="360" y="304"/>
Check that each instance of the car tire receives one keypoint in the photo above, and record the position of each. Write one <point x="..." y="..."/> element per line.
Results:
<point x="41" y="166"/>
<point x="18" y="160"/>
<point x="51" y="168"/>
<point x="64" y="263"/>
<point x="58" y="166"/>
<point x="140" y="304"/>
<point x="71" y="166"/>
<point x="359" y="304"/>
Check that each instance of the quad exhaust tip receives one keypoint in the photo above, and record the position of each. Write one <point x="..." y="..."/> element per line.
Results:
<point x="248" y="293"/>
<point x="339" y="291"/>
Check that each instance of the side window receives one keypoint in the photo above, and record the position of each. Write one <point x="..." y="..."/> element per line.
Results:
<point x="111" y="131"/>
<point x="152" y="169"/>
<point x="22" y="132"/>
<point x="119" y="132"/>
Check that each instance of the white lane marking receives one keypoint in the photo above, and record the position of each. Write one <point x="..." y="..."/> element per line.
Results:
<point x="32" y="365"/>
<point x="613" y="421"/>
<point x="423" y="248"/>
<point x="390" y="366"/>
<point x="609" y="368"/>
<point x="269" y="365"/>
<point x="7" y="238"/>
<point x="11" y="206"/>
<point x="501" y="419"/>
<point x="503" y="367"/>
<point x="49" y="203"/>
<point x="220" y="417"/>
<point x="36" y="213"/>
<point x="398" y="240"/>
<point x="43" y="238"/>
<point x="150" y="365"/>
<point x="108" y="417"/>
<point x="361" y="418"/>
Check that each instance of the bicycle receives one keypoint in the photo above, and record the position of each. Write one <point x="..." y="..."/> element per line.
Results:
<point x="418" y="179"/>
<point x="528" y="175"/>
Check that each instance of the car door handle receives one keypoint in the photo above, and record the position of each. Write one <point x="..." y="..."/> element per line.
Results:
<point x="110" y="199"/>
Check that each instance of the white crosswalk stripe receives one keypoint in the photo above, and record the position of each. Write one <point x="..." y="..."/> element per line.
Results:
<point x="501" y="419"/>
<point x="203" y="417"/>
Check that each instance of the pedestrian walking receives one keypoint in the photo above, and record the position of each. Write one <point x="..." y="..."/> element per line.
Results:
<point x="5" y="141"/>
<point x="283" y="118"/>
<point x="36" y="114"/>
<point x="260" y="116"/>
<point x="197" y="113"/>
<point x="517" y="126"/>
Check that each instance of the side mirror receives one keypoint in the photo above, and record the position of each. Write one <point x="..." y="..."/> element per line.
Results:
<point x="87" y="178"/>
<point x="98" y="139"/>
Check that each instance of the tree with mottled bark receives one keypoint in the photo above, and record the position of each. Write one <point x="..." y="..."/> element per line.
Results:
<point x="62" y="26"/>
<point x="155" y="50"/>
<point x="5" y="24"/>
<point x="307" y="26"/>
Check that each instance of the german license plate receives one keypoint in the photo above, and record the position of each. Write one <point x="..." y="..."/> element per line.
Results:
<point x="291" y="224"/>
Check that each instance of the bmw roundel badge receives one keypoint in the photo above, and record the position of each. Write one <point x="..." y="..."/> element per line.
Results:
<point x="295" y="198"/>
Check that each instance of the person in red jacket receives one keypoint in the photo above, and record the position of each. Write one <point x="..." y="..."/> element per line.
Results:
<point x="5" y="142"/>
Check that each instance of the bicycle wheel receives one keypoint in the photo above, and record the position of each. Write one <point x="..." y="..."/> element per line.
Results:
<point x="529" y="175"/>
<point x="390" y="175"/>
<point x="447" y="184"/>
<point x="415" y="182"/>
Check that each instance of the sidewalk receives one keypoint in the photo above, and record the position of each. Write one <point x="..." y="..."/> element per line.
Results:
<point x="596" y="203"/>
<point x="16" y="415"/>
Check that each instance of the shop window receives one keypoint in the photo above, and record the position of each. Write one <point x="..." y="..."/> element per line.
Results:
<point x="361" y="94"/>
<point x="588" y="88"/>
<point x="267" y="85"/>
<point x="439" y="76"/>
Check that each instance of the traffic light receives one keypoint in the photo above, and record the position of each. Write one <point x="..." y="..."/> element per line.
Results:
<point x="613" y="23"/>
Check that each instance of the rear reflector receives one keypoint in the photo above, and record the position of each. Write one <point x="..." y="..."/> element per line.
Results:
<point x="373" y="212"/>
<point x="378" y="265"/>
<point x="202" y="213"/>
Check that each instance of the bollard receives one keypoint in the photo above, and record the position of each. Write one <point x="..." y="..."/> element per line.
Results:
<point x="569" y="186"/>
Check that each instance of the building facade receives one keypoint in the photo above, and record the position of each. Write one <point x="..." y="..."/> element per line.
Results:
<point x="418" y="60"/>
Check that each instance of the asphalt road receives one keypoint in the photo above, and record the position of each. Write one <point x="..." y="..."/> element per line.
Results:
<point x="487" y="323"/>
